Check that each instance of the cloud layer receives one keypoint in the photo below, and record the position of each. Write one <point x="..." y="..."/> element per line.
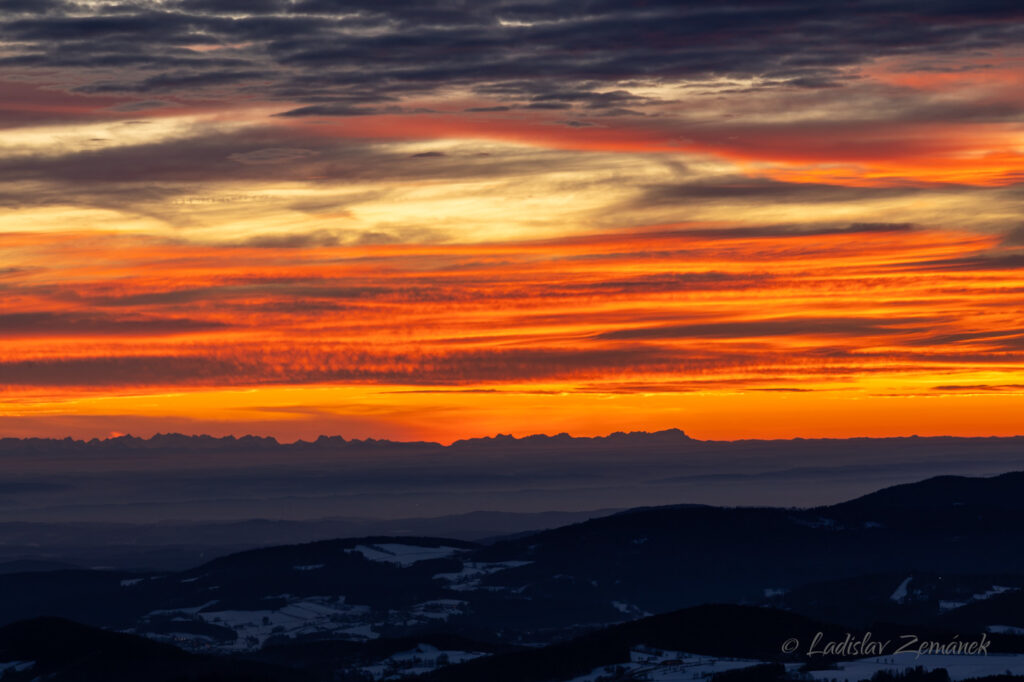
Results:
<point x="590" y="200"/>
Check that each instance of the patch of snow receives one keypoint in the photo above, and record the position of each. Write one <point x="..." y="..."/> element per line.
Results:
<point x="402" y="555"/>
<point x="131" y="581"/>
<point x="1005" y="629"/>
<point x="959" y="667"/>
<point x="188" y="639"/>
<point x="423" y="659"/>
<point x="188" y="610"/>
<point x="820" y="522"/>
<point x="901" y="592"/>
<point x="995" y="589"/>
<point x="308" y="567"/>
<point x="981" y="596"/>
<point x="770" y="592"/>
<point x="667" y="666"/>
<point x="364" y="631"/>
<point x="15" y="667"/>
<point x="438" y="609"/>
<point x="309" y="615"/>
<point x="469" y="577"/>
<point x="630" y="609"/>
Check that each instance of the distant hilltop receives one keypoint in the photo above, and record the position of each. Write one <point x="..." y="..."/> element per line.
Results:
<point x="667" y="436"/>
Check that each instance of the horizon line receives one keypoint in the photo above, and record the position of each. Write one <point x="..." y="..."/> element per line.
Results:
<point x="496" y="438"/>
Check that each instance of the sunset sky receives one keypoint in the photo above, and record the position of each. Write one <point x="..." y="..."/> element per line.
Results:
<point x="435" y="220"/>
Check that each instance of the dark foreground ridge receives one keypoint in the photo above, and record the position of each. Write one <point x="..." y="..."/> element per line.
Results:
<point x="64" y="651"/>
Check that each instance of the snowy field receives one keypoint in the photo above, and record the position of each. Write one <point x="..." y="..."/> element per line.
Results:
<point x="402" y="555"/>
<point x="959" y="667"/>
<point x="304" y="616"/>
<point x="669" y="666"/>
<point x="300" y="616"/>
<point x="469" y="577"/>
<point x="423" y="659"/>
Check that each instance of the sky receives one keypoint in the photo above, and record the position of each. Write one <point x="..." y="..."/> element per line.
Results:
<point x="443" y="219"/>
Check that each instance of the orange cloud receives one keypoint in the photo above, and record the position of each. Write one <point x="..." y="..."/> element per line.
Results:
<point x="853" y="314"/>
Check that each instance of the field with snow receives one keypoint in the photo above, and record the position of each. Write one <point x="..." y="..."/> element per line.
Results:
<point x="666" y="666"/>
<point x="959" y="667"/>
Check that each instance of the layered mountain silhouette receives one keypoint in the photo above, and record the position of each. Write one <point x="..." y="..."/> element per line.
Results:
<point x="944" y="555"/>
<point x="178" y="443"/>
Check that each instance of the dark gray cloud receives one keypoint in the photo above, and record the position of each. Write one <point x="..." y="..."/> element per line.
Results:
<point x="680" y="281"/>
<point x="545" y="53"/>
<point x="256" y="366"/>
<point x="37" y="324"/>
<point x="738" y="189"/>
<point x="272" y="155"/>
<point x="1008" y="338"/>
<point x="253" y="365"/>
<point x="32" y="6"/>
<point x="174" y="81"/>
<point x="25" y="485"/>
<point x="269" y="154"/>
<point x="978" y="388"/>
<point x="341" y="58"/>
<point x="1014" y="237"/>
<point x="779" y="231"/>
<point x="144" y="105"/>
<point x="817" y="326"/>
<point x="968" y="263"/>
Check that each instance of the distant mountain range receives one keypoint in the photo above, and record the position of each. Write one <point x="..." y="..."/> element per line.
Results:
<point x="173" y="479"/>
<point x="942" y="556"/>
<point x="178" y="443"/>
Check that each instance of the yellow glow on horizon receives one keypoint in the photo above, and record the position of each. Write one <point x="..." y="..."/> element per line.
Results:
<point x="401" y="413"/>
